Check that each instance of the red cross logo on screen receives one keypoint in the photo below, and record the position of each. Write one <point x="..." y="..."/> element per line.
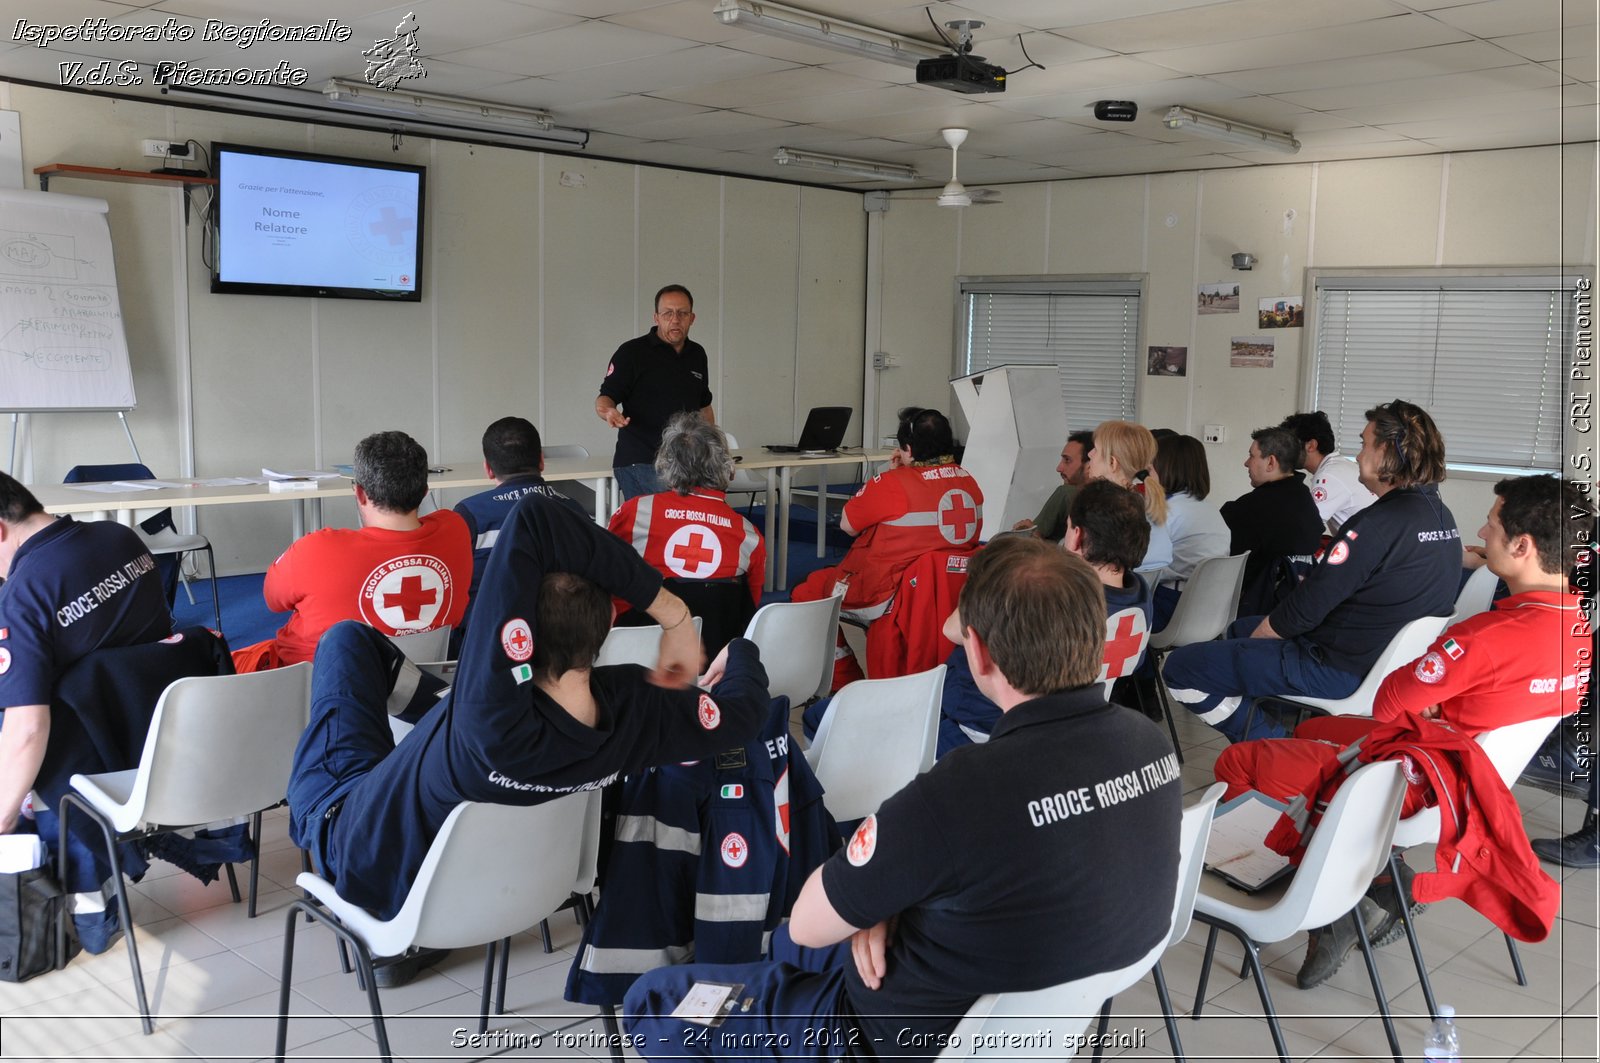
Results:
<point x="407" y="594"/>
<point x="958" y="517"/>
<point x="391" y="226"/>
<point x="693" y="552"/>
<point x="1126" y="633"/>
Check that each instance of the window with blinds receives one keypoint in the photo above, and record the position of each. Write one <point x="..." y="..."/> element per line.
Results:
<point x="1485" y="356"/>
<point x="1088" y="329"/>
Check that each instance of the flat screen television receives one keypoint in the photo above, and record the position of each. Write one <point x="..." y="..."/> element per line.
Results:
<point x="294" y="223"/>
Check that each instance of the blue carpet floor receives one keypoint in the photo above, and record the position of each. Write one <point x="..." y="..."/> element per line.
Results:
<point x="247" y="620"/>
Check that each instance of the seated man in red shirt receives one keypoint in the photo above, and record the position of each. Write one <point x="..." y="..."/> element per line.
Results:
<point x="924" y="501"/>
<point x="1526" y="658"/>
<point x="690" y="534"/>
<point x="398" y="572"/>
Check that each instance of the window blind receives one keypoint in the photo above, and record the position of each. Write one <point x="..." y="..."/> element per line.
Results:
<point x="1091" y="337"/>
<point x="1485" y="361"/>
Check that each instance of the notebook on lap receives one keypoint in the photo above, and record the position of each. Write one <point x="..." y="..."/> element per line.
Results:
<point x="822" y="434"/>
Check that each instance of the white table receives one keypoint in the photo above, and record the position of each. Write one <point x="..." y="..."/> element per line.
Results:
<point x="307" y="516"/>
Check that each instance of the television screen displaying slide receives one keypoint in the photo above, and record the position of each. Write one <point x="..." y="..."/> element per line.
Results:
<point x="291" y="223"/>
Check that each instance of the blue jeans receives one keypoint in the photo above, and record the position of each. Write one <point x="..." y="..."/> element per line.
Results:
<point x="797" y="998"/>
<point x="1218" y="681"/>
<point x="348" y="734"/>
<point x="636" y="480"/>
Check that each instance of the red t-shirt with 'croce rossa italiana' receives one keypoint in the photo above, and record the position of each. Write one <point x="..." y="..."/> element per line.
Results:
<point x="400" y="582"/>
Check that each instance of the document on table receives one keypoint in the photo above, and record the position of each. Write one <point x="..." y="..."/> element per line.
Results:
<point x="146" y="485"/>
<point x="111" y="489"/>
<point x="1236" y="849"/>
<point x="230" y="481"/>
<point x="299" y="474"/>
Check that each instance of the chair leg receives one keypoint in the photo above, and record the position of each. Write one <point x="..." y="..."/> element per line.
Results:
<point x="216" y="596"/>
<point x="1166" y="1013"/>
<point x="1377" y="984"/>
<point x="488" y="985"/>
<point x="1166" y="705"/>
<point x="255" y="862"/>
<point x="1253" y="958"/>
<point x="233" y="883"/>
<point x="608" y="1019"/>
<point x="505" y="968"/>
<point x="1516" y="960"/>
<point x="544" y="932"/>
<point x="69" y="800"/>
<point x="1101" y="1028"/>
<point x="285" y="974"/>
<point x="1403" y="907"/>
<point x="1205" y="974"/>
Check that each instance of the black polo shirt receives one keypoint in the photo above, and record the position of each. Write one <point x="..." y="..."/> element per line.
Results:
<point x="651" y="382"/>
<point x="1047" y="854"/>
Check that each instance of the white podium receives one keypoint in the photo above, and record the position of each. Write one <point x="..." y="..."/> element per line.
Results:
<point x="1017" y="425"/>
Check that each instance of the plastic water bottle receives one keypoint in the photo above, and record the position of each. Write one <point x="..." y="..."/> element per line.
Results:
<point x="1442" y="1044"/>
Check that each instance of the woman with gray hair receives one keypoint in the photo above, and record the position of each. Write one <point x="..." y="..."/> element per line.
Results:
<point x="711" y="556"/>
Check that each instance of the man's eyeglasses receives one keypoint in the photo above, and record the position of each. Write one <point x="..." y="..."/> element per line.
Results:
<point x="675" y="315"/>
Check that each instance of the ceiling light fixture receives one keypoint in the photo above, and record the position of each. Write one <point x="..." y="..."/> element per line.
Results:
<point x="780" y="20"/>
<point x="1212" y="127"/>
<point x="450" y="111"/>
<point x="811" y="160"/>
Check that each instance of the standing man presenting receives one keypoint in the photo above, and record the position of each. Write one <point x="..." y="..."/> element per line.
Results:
<point x="648" y="380"/>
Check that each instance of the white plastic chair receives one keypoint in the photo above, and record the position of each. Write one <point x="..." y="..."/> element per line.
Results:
<point x="1191" y="850"/>
<point x="1509" y="749"/>
<point x="1209" y="603"/>
<point x="634" y="645"/>
<point x="580" y="491"/>
<point x="472" y="889"/>
<point x="421" y="647"/>
<point x="744" y="481"/>
<point x="219" y="747"/>
<point x="877" y="735"/>
<point x="1409" y="643"/>
<point x="796" y="640"/>
<point x="1477" y="594"/>
<point x="1347" y="848"/>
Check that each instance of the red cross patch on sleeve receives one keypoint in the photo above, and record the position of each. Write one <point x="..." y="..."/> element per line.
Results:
<point x="1431" y="668"/>
<point x="863" y="843"/>
<point x="710" y="714"/>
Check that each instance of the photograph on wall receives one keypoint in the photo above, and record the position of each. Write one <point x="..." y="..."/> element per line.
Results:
<point x="1252" y="352"/>
<point x="1286" y="311"/>
<point x="1168" y="361"/>
<point x="1218" y="298"/>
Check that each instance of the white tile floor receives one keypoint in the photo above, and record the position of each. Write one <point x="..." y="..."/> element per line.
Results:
<point x="212" y="975"/>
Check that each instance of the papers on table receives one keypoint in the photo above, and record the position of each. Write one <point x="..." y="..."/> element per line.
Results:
<point x="1236" y="849"/>
<point x="230" y="481"/>
<point x="110" y="489"/>
<point x="298" y="474"/>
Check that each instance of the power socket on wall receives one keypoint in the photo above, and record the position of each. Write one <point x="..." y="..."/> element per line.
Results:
<point x="1214" y="433"/>
<point x="164" y="149"/>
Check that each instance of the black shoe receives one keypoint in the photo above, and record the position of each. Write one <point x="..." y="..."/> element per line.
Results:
<point x="407" y="967"/>
<point x="1579" y="849"/>
<point x="1329" y="945"/>
<point x="1556" y="768"/>
<point x="1391" y="929"/>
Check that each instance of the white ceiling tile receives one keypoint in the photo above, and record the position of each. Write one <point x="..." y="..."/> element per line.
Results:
<point x="570" y="48"/>
<point x="1452" y="107"/>
<point x="590" y="8"/>
<point x="280" y="11"/>
<point x="445" y="26"/>
<point x="633" y="110"/>
<point x="706" y="123"/>
<point x="689" y="19"/>
<point x="1393" y="66"/>
<point x="454" y="79"/>
<point x="1373" y="37"/>
<point x="951" y="113"/>
<point x="799" y="83"/>
<point x="1483" y="128"/>
<point x="1548" y="46"/>
<point x="897" y="99"/>
<point x="1496" y="18"/>
<point x="1238" y="20"/>
<point x="1089" y="74"/>
<point x="703" y="64"/>
<point x="1052" y="14"/>
<point x="1382" y="93"/>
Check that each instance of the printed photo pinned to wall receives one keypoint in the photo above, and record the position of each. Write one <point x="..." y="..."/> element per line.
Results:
<point x="1286" y="311"/>
<point x="1218" y="298"/>
<point x="1168" y="361"/>
<point x="1252" y="352"/>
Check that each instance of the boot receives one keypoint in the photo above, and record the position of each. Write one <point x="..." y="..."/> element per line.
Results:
<point x="1392" y="929"/>
<point x="1329" y="945"/>
<point x="1561" y="766"/>
<point x="1580" y="849"/>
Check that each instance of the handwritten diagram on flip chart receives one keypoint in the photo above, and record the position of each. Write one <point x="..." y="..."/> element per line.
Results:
<point x="62" y="345"/>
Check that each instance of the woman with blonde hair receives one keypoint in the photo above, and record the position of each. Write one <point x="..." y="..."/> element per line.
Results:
<point x="1124" y="453"/>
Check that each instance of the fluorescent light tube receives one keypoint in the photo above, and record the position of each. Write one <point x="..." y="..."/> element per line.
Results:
<point x="1210" y="126"/>
<point x="811" y="160"/>
<point x="355" y="96"/>
<point x="780" y="20"/>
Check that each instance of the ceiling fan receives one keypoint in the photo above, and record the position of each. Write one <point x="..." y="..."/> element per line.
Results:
<point x="956" y="194"/>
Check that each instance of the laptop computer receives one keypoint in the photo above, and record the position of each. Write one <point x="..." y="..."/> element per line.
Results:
<point x="822" y="434"/>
